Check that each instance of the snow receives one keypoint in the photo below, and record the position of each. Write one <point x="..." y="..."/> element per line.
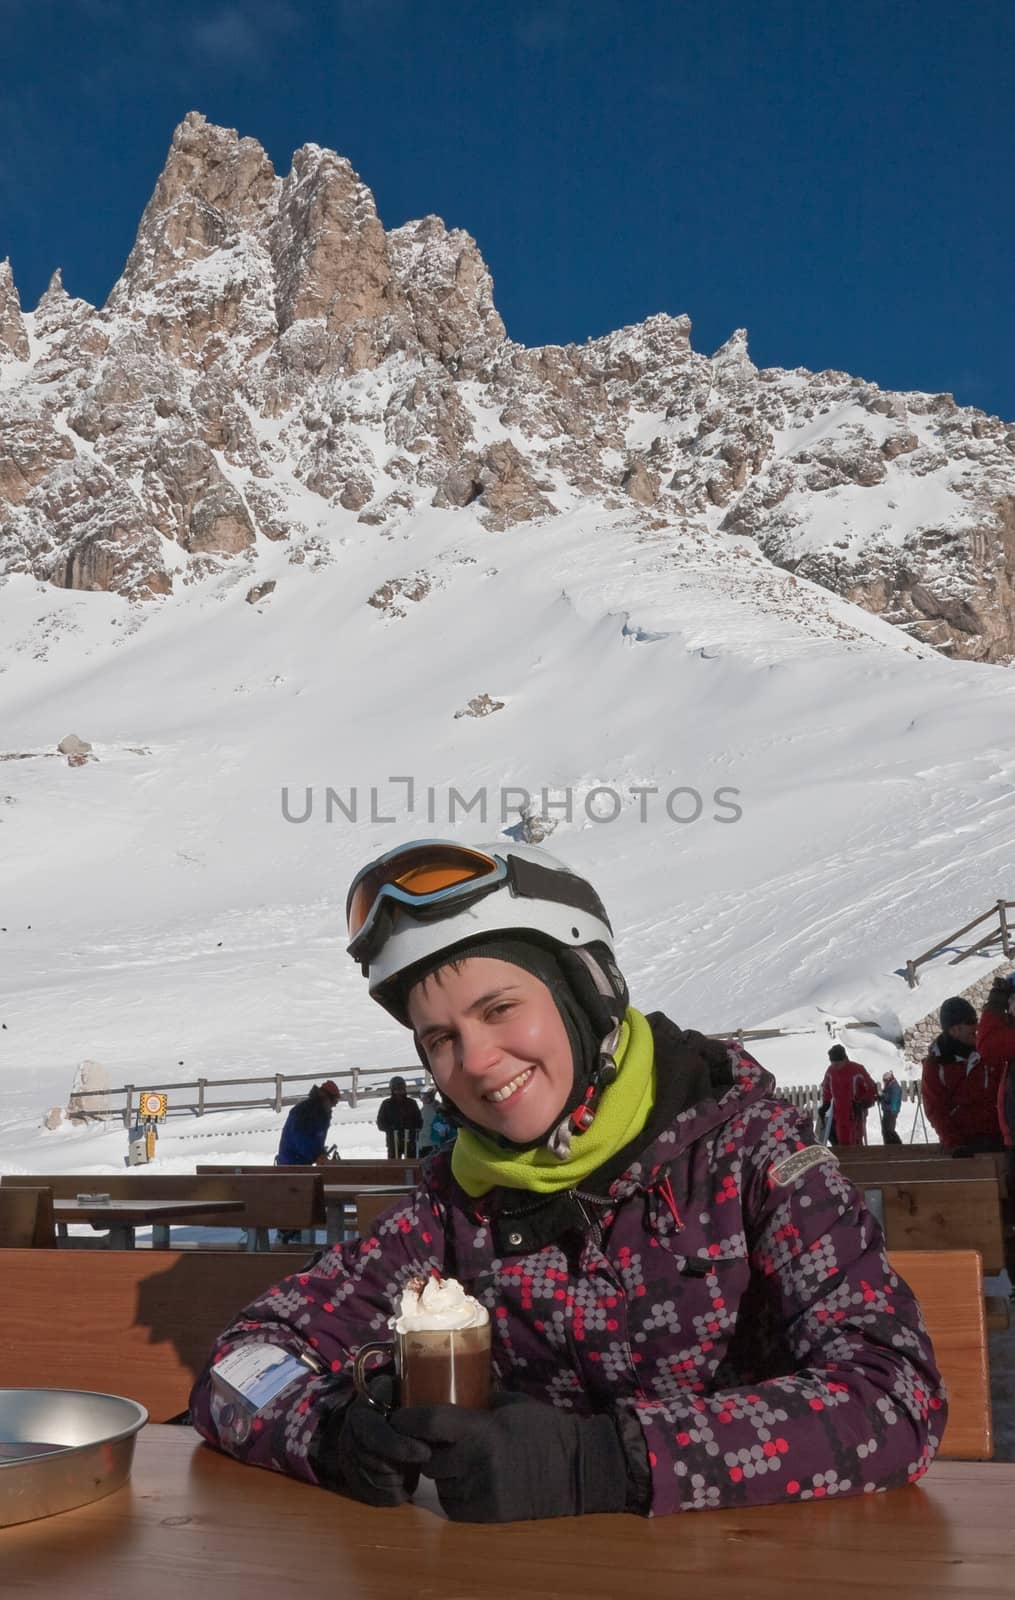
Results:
<point x="176" y="915"/>
<point x="162" y="917"/>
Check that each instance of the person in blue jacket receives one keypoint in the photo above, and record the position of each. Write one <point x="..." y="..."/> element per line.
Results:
<point x="306" y="1127"/>
<point x="890" y="1103"/>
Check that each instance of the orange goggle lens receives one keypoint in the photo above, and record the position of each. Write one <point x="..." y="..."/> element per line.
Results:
<point x="419" y="873"/>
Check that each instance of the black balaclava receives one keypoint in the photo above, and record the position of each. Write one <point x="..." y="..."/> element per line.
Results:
<point x="585" y="1017"/>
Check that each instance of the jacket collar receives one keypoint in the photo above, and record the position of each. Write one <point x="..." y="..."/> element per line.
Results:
<point x="701" y="1084"/>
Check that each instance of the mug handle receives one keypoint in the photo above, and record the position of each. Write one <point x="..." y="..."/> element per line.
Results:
<point x="359" y="1375"/>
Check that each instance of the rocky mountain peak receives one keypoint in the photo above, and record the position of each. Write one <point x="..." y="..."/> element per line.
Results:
<point x="273" y="361"/>
<point x="448" y="289"/>
<point x="57" y="311"/>
<point x="213" y="187"/>
<point x="13" y="333"/>
<point x="732" y="360"/>
<point x="330" y="257"/>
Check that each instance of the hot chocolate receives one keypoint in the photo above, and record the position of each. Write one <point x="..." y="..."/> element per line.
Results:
<point x="443" y="1345"/>
<point x="441" y="1349"/>
<point x="446" y="1367"/>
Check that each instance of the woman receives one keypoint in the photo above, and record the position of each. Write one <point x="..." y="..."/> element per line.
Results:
<point x="691" y="1307"/>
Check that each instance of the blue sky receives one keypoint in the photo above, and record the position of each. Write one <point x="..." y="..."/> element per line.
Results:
<point x="836" y="177"/>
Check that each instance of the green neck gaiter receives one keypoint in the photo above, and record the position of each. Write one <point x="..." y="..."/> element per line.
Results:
<point x="480" y="1165"/>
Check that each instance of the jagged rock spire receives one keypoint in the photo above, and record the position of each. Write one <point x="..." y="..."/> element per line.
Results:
<point x="13" y="334"/>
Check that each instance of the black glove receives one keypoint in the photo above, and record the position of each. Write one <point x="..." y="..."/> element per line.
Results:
<point x="360" y="1453"/>
<point x="519" y="1460"/>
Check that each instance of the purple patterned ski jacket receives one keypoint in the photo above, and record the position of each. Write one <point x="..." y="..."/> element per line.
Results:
<point x="733" y="1307"/>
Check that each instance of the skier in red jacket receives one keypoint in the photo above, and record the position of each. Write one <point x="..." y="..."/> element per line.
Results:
<point x="850" y="1091"/>
<point x="960" y="1084"/>
<point x="995" y="1040"/>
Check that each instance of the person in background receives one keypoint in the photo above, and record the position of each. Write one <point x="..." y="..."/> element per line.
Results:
<point x="995" y="1041"/>
<point x="890" y="1101"/>
<point x="304" y="1136"/>
<point x="305" y="1132"/>
<point x="428" y="1112"/>
<point x="437" y="1128"/>
<point x="400" y="1120"/>
<point x="960" y="1085"/>
<point x="848" y="1091"/>
<point x="690" y="1306"/>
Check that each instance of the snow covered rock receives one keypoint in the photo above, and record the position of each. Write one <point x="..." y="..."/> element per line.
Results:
<point x="13" y="334"/>
<point x="272" y="360"/>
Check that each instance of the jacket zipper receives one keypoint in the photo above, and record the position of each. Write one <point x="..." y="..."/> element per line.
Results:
<point x="592" y="1221"/>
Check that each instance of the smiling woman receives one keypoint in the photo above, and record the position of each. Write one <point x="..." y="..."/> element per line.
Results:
<point x="496" y="1043"/>
<point x="689" y="1305"/>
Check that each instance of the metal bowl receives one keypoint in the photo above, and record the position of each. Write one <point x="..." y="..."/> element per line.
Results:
<point x="61" y="1448"/>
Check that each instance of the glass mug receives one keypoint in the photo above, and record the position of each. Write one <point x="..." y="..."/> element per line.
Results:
<point x="435" y="1366"/>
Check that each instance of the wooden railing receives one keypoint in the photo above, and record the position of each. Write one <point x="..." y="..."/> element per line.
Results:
<point x="998" y="932"/>
<point x="807" y="1097"/>
<point x="199" y="1096"/>
<point x="359" y="1083"/>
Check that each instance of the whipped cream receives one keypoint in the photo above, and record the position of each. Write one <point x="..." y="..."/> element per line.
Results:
<point x="433" y="1303"/>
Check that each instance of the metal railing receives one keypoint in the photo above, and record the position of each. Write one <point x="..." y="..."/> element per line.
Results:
<point x="998" y="932"/>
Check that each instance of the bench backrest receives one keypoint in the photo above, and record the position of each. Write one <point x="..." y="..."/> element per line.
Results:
<point x="371" y="1206"/>
<point x="26" y="1219"/>
<point x="138" y="1322"/>
<point x="897" y="1152"/>
<point x="379" y="1171"/>
<point x="270" y="1200"/>
<point x="949" y="1287"/>
<point x="941" y="1170"/>
<point x="953" y="1215"/>
<point x="945" y="1169"/>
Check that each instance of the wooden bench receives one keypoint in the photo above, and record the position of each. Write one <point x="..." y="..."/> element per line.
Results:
<point x="276" y="1199"/>
<point x="900" y="1152"/>
<point x="369" y="1173"/>
<point x="142" y="1324"/>
<point x="960" y="1215"/>
<point x="945" y="1169"/>
<point x="371" y="1206"/>
<point x="26" y="1219"/>
<point x="366" y="1172"/>
<point x="949" y="1287"/>
<point x="136" y="1323"/>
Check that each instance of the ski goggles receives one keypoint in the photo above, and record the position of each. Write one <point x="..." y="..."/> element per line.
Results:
<point x="426" y="878"/>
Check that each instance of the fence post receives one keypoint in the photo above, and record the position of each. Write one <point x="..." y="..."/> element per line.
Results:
<point x="354" y="1091"/>
<point x="127" y="1107"/>
<point x="1002" y="912"/>
<point x="278" y="1091"/>
<point x="911" y="977"/>
<point x="201" y="1082"/>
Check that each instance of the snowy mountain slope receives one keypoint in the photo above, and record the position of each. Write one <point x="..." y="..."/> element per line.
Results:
<point x="181" y="926"/>
<point x="486" y="569"/>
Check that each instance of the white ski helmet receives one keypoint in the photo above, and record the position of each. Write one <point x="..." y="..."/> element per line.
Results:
<point x="433" y="895"/>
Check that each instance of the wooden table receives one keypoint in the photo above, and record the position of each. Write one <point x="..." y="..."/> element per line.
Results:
<point x="121" y="1217"/>
<point x="338" y="1197"/>
<point x="192" y="1520"/>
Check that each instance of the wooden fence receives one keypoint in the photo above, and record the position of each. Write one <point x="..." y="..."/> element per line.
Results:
<point x="807" y="1097"/>
<point x="200" y="1096"/>
<point x="998" y="933"/>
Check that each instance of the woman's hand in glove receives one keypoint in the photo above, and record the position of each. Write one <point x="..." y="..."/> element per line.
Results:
<point x="362" y="1455"/>
<point x="521" y="1459"/>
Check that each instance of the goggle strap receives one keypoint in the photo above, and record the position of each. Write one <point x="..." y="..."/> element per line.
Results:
<point x="533" y="881"/>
